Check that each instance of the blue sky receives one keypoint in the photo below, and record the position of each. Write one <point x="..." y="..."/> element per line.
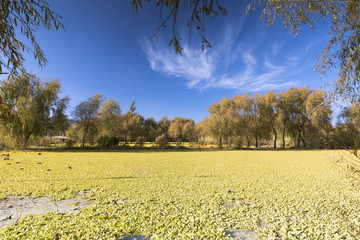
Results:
<point x="106" y="48"/>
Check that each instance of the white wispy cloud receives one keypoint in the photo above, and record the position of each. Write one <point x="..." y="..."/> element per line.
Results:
<point x="240" y="79"/>
<point x="194" y="65"/>
<point x="228" y="65"/>
<point x="254" y="79"/>
<point x="276" y="47"/>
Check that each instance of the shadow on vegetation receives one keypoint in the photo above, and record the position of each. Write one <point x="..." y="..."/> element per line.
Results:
<point x="80" y="179"/>
<point x="207" y="176"/>
<point x="116" y="178"/>
<point x="133" y="238"/>
<point x="169" y="149"/>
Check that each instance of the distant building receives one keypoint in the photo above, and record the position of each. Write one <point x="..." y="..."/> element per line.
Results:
<point x="59" y="138"/>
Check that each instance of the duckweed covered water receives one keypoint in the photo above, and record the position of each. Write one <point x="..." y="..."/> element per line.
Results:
<point x="184" y="195"/>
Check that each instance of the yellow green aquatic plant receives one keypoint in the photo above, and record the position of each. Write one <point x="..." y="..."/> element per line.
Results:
<point x="184" y="194"/>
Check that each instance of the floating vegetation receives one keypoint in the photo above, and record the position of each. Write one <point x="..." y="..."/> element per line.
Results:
<point x="159" y="195"/>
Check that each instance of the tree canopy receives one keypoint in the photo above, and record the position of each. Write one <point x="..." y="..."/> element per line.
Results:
<point x="30" y="107"/>
<point x="24" y="16"/>
<point x="85" y="115"/>
<point x="301" y="114"/>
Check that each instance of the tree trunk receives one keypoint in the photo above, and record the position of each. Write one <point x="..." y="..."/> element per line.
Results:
<point x="24" y="139"/>
<point x="256" y="140"/>
<point x="275" y="137"/>
<point x="125" y="139"/>
<point x="220" y="143"/>
<point x="283" y="137"/>
<point x="300" y="138"/>
<point x="23" y="142"/>
<point x="83" y="139"/>
<point x="303" y="141"/>
<point x="248" y="141"/>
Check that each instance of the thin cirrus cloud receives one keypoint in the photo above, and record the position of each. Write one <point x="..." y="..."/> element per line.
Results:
<point x="194" y="65"/>
<point x="228" y="65"/>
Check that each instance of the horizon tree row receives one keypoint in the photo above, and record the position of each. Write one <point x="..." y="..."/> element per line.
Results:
<point x="31" y="109"/>
<point x="301" y="114"/>
<point x="100" y="121"/>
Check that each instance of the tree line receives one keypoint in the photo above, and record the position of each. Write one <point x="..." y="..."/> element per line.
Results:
<point x="302" y="115"/>
<point x="100" y="121"/>
<point x="31" y="109"/>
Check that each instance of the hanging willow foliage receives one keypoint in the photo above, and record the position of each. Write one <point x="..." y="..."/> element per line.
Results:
<point x="341" y="52"/>
<point x="24" y="16"/>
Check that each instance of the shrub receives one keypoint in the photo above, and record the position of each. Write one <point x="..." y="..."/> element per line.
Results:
<point x="103" y="141"/>
<point x="107" y="141"/>
<point x="179" y="142"/>
<point x="161" y="141"/>
<point x="239" y="143"/>
<point x="44" y="141"/>
<point x="140" y="141"/>
<point x="114" y="141"/>
<point x="69" y="143"/>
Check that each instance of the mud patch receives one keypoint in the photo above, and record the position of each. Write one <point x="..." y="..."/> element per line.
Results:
<point x="242" y="234"/>
<point x="232" y="203"/>
<point x="14" y="208"/>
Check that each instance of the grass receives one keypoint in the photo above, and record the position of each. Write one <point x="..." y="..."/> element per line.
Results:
<point x="181" y="195"/>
